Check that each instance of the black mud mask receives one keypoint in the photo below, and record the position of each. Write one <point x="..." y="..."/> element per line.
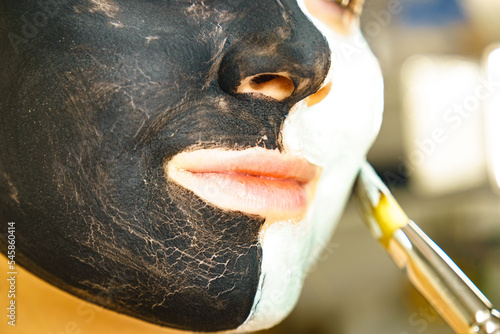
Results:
<point x="95" y="97"/>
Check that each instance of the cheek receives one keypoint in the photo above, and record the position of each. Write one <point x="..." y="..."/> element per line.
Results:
<point x="356" y="102"/>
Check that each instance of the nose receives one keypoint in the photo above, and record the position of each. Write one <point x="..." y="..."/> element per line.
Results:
<point x="285" y="60"/>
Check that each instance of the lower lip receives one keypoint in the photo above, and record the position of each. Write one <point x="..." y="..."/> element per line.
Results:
<point x="246" y="193"/>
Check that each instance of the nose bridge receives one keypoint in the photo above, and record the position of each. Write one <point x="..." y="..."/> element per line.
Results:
<point x="282" y="42"/>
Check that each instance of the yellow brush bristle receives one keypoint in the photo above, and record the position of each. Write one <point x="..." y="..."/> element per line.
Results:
<point x="382" y="213"/>
<point x="389" y="217"/>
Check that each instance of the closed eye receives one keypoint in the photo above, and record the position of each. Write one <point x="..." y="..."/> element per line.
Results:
<point x="355" y="6"/>
<point x="339" y="15"/>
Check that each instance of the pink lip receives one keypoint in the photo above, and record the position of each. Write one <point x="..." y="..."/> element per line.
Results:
<point x="255" y="181"/>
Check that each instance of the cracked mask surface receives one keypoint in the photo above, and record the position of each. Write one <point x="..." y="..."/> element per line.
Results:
<point x="97" y="101"/>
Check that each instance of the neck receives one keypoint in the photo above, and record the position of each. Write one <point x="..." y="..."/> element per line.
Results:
<point x="43" y="308"/>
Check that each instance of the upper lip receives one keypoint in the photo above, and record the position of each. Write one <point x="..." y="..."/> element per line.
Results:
<point x="258" y="162"/>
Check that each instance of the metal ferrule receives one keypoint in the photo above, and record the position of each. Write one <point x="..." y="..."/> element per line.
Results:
<point x="442" y="283"/>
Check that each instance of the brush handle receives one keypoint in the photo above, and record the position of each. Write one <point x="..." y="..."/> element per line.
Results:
<point x="442" y="283"/>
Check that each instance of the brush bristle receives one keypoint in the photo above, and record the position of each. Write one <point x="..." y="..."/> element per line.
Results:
<point x="382" y="213"/>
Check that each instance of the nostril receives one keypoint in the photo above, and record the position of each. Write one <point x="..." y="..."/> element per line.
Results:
<point x="265" y="78"/>
<point x="277" y="86"/>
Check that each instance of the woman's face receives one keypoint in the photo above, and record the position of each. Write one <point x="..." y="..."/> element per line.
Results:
<point x="182" y="162"/>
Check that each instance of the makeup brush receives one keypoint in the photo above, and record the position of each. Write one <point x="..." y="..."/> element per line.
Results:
<point x="430" y="270"/>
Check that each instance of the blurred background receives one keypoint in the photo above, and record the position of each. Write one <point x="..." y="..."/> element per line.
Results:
<point x="438" y="151"/>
